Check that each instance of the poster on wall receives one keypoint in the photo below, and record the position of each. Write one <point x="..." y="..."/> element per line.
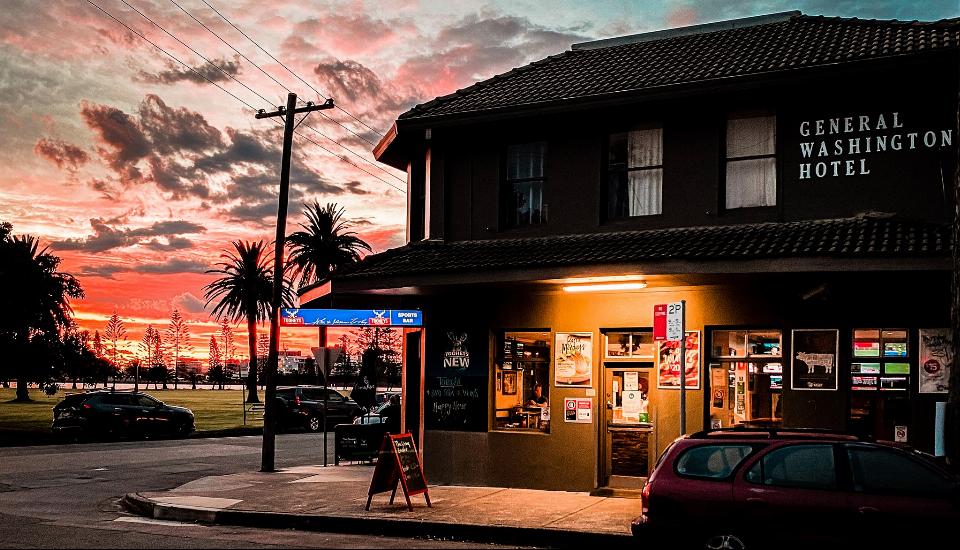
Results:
<point x="936" y="360"/>
<point x="669" y="365"/>
<point x="740" y="392"/>
<point x="814" y="361"/>
<point x="578" y="410"/>
<point x="573" y="362"/>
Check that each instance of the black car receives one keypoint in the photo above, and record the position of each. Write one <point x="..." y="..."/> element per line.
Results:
<point x="119" y="414"/>
<point x="302" y="407"/>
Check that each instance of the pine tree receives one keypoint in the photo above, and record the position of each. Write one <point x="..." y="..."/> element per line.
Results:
<point x="178" y="339"/>
<point x="114" y="332"/>
<point x="146" y="350"/>
<point x="97" y="344"/>
<point x="215" y="370"/>
<point x="227" y="349"/>
<point x="159" y="368"/>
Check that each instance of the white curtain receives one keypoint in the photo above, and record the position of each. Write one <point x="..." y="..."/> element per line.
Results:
<point x="751" y="182"/>
<point x="749" y="137"/>
<point x="645" y="149"/>
<point x="644" y="192"/>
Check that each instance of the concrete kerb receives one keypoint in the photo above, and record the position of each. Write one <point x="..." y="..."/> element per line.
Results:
<point x="521" y="536"/>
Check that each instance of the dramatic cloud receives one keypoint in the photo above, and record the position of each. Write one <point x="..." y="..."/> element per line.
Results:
<point x="220" y="71"/>
<point x="163" y="268"/>
<point x="476" y="48"/>
<point x="105" y="237"/>
<point x="348" y="34"/>
<point x="189" y="302"/>
<point x="61" y="153"/>
<point x="122" y="141"/>
<point x="171" y="130"/>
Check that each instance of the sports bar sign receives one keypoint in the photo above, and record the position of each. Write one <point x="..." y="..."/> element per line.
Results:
<point x="295" y="317"/>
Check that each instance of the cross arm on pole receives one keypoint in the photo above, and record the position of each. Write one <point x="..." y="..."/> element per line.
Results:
<point x="308" y="108"/>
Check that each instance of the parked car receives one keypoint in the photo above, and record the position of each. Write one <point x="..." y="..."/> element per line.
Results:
<point x="379" y="414"/>
<point x="119" y="414"/>
<point x="302" y="407"/>
<point x="762" y="488"/>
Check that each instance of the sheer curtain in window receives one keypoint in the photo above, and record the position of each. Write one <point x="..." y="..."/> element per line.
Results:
<point x="751" y="162"/>
<point x="644" y="187"/>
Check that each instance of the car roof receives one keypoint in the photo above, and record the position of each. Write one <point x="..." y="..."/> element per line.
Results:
<point x="781" y="434"/>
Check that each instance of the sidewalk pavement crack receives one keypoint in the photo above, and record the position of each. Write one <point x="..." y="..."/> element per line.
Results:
<point x="577" y="511"/>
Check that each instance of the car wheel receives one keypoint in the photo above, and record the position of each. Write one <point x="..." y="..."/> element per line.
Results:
<point x="725" y="542"/>
<point x="314" y="424"/>
<point x="183" y="430"/>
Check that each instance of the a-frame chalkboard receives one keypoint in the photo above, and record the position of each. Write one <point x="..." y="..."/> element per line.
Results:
<point x="398" y="462"/>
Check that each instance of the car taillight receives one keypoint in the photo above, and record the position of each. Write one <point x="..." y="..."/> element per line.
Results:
<point x="645" y="499"/>
<point x="296" y="400"/>
<point x="87" y="406"/>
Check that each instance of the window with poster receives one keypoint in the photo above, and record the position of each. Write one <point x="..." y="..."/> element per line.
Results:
<point x="746" y="377"/>
<point x="522" y="388"/>
<point x="880" y="360"/>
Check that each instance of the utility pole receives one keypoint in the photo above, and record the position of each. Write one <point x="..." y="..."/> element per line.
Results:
<point x="288" y="114"/>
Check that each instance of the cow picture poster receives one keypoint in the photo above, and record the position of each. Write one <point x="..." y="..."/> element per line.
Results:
<point x="814" y="360"/>
<point x="936" y="360"/>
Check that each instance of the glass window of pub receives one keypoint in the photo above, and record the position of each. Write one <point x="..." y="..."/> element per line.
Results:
<point x="746" y="377"/>
<point x="522" y="387"/>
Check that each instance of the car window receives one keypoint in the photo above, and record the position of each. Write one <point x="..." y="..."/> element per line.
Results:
<point x="285" y="394"/>
<point x="147" y="401"/>
<point x="886" y="471"/>
<point x="712" y="461"/>
<point x="117" y="400"/>
<point x="334" y="396"/>
<point x="801" y="466"/>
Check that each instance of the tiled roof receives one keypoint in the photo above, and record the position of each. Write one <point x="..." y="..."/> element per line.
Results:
<point x="788" y="43"/>
<point x="859" y="237"/>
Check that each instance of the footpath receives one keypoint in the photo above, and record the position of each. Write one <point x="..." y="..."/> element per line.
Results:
<point x="333" y="499"/>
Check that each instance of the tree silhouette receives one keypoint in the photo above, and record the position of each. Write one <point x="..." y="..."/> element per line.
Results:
<point x="325" y="244"/>
<point x="215" y="372"/>
<point x="115" y="331"/>
<point x="228" y="349"/>
<point x="244" y="292"/>
<point x="37" y="300"/>
<point x="178" y="339"/>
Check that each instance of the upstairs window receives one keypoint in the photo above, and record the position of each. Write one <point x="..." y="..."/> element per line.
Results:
<point x="523" y="190"/>
<point x="751" y="162"/>
<point x="635" y="173"/>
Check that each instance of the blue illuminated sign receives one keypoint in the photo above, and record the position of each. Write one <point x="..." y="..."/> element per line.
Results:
<point x="351" y="317"/>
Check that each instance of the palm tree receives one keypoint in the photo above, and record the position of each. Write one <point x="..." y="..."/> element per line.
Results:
<point x="244" y="292"/>
<point x="37" y="298"/>
<point x="325" y="244"/>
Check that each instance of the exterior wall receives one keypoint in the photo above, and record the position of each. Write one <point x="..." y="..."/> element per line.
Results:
<point x="914" y="182"/>
<point x="568" y="457"/>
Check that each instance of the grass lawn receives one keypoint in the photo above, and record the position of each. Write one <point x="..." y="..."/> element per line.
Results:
<point x="214" y="410"/>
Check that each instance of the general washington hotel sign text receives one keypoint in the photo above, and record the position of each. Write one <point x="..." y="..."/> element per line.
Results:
<point x="841" y="147"/>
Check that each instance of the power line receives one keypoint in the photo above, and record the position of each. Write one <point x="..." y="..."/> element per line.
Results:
<point x="171" y="56"/>
<point x="293" y="73"/>
<point x="200" y="55"/>
<point x="344" y="159"/>
<point x="226" y="91"/>
<point x="358" y="155"/>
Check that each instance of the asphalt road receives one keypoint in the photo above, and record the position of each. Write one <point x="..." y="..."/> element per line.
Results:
<point x="67" y="496"/>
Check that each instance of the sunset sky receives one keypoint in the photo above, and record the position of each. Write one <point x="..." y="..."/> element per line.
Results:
<point x="138" y="173"/>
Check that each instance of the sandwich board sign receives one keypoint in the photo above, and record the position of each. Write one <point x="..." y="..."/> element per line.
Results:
<point x="398" y="463"/>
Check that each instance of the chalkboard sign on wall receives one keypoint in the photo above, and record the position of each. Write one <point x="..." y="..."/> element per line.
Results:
<point x="456" y="380"/>
<point x="398" y="463"/>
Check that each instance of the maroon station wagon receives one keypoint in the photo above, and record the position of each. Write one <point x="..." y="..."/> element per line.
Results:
<point x="761" y="488"/>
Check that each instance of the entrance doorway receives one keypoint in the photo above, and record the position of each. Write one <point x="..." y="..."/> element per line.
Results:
<point x="627" y="427"/>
